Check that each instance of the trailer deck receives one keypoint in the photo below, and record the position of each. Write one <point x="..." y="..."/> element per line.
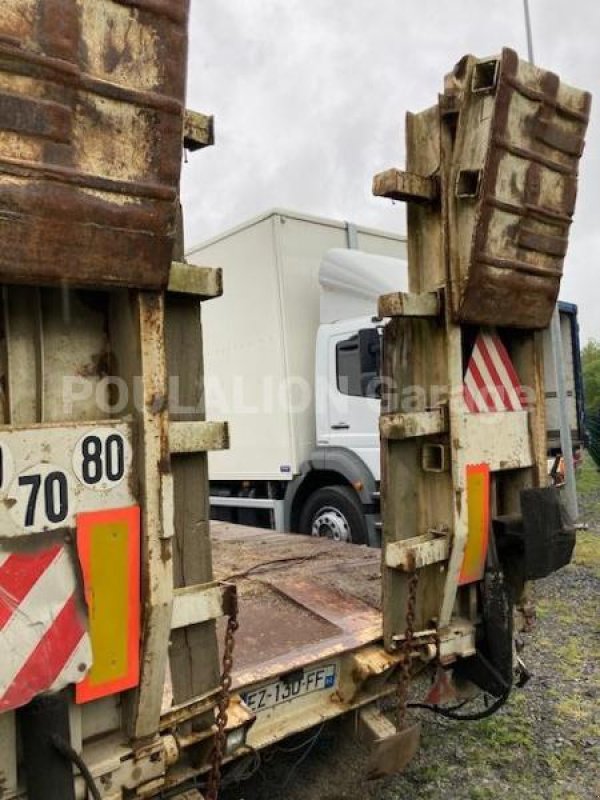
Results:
<point x="301" y="599"/>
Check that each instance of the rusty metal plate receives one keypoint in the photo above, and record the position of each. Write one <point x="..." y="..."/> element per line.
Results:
<point x="519" y="137"/>
<point x="393" y="754"/>
<point x="301" y="599"/>
<point x="91" y="122"/>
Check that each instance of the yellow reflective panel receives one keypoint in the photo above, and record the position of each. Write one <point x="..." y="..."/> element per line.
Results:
<point x="478" y="506"/>
<point x="108" y="544"/>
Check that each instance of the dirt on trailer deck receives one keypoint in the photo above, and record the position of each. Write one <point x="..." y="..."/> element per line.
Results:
<point x="301" y="598"/>
<point x="543" y="745"/>
<point x="254" y="557"/>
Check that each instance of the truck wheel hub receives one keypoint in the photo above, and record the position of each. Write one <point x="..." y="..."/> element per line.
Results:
<point x="330" y="523"/>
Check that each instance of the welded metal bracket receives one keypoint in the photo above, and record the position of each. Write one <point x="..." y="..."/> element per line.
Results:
<point x="198" y="130"/>
<point x="418" y="552"/>
<point x="413" y="424"/>
<point x="455" y="641"/>
<point x="391" y="750"/>
<point x="204" y="282"/>
<point x="407" y="187"/>
<point x="198" y="436"/>
<point x="193" y="605"/>
<point x="409" y="304"/>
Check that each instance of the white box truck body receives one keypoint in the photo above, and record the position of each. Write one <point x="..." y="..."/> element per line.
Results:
<point x="292" y="354"/>
<point x="270" y="352"/>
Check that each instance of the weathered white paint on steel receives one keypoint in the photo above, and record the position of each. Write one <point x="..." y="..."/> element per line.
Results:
<point x="195" y="604"/>
<point x="138" y="333"/>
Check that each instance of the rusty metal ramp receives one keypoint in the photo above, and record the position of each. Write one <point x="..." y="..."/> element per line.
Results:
<point x="301" y="599"/>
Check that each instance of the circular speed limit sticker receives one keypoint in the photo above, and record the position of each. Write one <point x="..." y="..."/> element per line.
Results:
<point x="101" y="459"/>
<point x="42" y="497"/>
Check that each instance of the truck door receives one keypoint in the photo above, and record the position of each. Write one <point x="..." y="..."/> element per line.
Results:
<point x="354" y="392"/>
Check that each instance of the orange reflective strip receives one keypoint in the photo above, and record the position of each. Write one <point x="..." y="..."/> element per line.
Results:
<point x="108" y="543"/>
<point x="478" y="509"/>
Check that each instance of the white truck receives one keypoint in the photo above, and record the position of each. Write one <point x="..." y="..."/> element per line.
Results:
<point x="301" y="296"/>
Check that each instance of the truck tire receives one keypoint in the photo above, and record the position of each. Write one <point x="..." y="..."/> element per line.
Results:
<point x="334" y="512"/>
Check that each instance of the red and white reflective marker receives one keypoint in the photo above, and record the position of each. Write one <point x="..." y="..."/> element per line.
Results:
<point x="491" y="381"/>
<point x="43" y="631"/>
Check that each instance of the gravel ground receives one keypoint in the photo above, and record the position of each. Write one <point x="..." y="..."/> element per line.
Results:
<point x="544" y="744"/>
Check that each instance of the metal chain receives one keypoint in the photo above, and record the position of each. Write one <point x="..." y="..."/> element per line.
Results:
<point x="438" y="643"/>
<point x="220" y="741"/>
<point x="407" y="647"/>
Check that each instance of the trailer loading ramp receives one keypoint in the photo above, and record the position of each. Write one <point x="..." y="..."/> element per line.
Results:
<point x="310" y="625"/>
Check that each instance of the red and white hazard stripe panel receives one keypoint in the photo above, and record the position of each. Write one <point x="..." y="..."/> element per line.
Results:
<point x="491" y="381"/>
<point x="43" y="634"/>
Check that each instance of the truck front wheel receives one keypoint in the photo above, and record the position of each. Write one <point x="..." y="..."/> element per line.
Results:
<point x="334" y="512"/>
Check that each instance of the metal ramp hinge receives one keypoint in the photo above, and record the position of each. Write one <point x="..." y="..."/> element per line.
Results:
<point x="456" y="640"/>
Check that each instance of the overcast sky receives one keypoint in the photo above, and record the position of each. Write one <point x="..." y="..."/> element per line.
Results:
<point x="309" y="98"/>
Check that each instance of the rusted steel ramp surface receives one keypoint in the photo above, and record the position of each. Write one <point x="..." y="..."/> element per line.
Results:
<point x="91" y="126"/>
<point x="301" y="599"/>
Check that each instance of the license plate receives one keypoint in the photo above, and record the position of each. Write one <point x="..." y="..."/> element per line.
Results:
<point x="282" y="691"/>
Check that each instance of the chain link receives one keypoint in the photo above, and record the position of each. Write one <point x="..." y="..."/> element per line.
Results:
<point x="438" y="643"/>
<point x="214" y="779"/>
<point x="407" y="647"/>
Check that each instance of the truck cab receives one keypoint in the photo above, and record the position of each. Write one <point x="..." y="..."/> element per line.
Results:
<point x="347" y="407"/>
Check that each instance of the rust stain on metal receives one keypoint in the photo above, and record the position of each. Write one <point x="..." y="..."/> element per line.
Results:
<point x="94" y="92"/>
<point x="166" y="550"/>
<point x="194" y="708"/>
<point x="519" y="139"/>
<point x="157" y="403"/>
<point x="458" y="500"/>
<point x="372" y="662"/>
<point x="99" y="366"/>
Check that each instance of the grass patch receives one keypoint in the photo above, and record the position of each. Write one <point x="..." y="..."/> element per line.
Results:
<point x="567" y="758"/>
<point x="572" y="657"/>
<point x="588" y="477"/>
<point x="556" y="610"/>
<point x="587" y="551"/>
<point x="482" y="793"/>
<point x="588" y="490"/>
<point x="573" y="709"/>
<point x="497" y="741"/>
